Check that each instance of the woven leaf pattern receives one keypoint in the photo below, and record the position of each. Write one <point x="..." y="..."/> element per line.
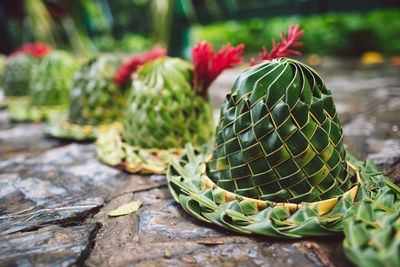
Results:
<point x="52" y="79"/>
<point x="203" y="199"/>
<point x="2" y="66"/>
<point x="58" y="126"/>
<point x="163" y="111"/>
<point x="21" y="110"/>
<point x="279" y="137"/>
<point x="17" y="75"/>
<point x="112" y="150"/>
<point x="373" y="231"/>
<point x="95" y="98"/>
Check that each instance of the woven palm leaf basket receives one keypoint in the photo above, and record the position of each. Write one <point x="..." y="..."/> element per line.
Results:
<point x="167" y="107"/>
<point x="16" y="69"/>
<point x="278" y="167"/>
<point x="49" y="84"/>
<point x="2" y="66"/>
<point x="98" y="96"/>
<point x="94" y="100"/>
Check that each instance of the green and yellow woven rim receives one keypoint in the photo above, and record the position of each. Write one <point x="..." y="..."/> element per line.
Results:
<point x="7" y="100"/>
<point x="3" y="104"/>
<point x="21" y="110"/>
<point x="58" y="126"/>
<point x="204" y="200"/>
<point x="112" y="150"/>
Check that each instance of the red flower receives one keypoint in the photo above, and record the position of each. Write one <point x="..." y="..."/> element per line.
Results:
<point x="282" y="49"/>
<point x="132" y="64"/>
<point x="37" y="50"/>
<point x="207" y="65"/>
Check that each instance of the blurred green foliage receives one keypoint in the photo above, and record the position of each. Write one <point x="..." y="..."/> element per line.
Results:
<point x="342" y="34"/>
<point x="83" y="26"/>
<point x="131" y="16"/>
<point x="128" y="43"/>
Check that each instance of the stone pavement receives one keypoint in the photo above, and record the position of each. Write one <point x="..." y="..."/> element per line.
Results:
<point x="55" y="196"/>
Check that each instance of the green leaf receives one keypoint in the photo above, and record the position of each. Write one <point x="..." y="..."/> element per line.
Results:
<point x="125" y="209"/>
<point x="392" y="186"/>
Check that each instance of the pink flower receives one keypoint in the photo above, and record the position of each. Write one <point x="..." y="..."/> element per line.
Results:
<point x="207" y="65"/>
<point x="133" y="63"/>
<point x="282" y="49"/>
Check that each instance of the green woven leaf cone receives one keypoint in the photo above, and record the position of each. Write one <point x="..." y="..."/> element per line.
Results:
<point x="204" y="200"/>
<point x="2" y="66"/>
<point x="279" y="137"/>
<point x="17" y="75"/>
<point x="94" y="98"/>
<point x="162" y="114"/>
<point x="95" y="101"/>
<point x="163" y="111"/>
<point x="368" y="212"/>
<point x="3" y="103"/>
<point x="49" y="85"/>
<point x="52" y="78"/>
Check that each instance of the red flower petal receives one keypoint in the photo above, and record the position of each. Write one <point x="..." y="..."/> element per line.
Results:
<point x="132" y="64"/>
<point x="37" y="50"/>
<point x="207" y="65"/>
<point x="282" y="49"/>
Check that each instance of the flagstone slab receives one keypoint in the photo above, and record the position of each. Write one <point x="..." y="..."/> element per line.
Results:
<point x="18" y="138"/>
<point x="60" y="185"/>
<point x="161" y="233"/>
<point x="48" y="246"/>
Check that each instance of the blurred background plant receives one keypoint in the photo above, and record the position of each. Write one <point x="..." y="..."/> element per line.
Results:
<point x="84" y="26"/>
<point x="340" y="34"/>
<point x="90" y="26"/>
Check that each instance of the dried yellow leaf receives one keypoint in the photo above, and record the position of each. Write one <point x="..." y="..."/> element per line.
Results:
<point x="167" y="255"/>
<point x="125" y="209"/>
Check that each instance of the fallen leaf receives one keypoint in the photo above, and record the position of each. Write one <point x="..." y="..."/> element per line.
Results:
<point x="319" y="252"/>
<point x="167" y="255"/>
<point x="188" y="260"/>
<point x="125" y="209"/>
<point x="210" y="241"/>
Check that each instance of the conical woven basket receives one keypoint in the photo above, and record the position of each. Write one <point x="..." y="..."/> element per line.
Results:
<point x="16" y="77"/>
<point x="96" y="101"/>
<point x="162" y="114"/>
<point x="277" y="167"/>
<point x="48" y="88"/>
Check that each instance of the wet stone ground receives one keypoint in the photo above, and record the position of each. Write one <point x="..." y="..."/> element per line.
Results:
<point x="55" y="196"/>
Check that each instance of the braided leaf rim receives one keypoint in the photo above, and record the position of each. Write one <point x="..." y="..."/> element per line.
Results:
<point x="21" y="110"/>
<point x="7" y="100"/>
<point x="203" y="199"/>
<point x="3" y="104"/>
<point x="58" y="126"/>
<point x="372" y="233"/>
<point x="113" y="151"/>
